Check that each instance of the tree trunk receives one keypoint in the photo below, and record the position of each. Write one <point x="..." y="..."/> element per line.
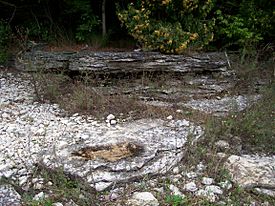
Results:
<point x="103" y="18"/>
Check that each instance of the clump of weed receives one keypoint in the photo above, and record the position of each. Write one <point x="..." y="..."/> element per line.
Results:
<point x="175" y="200"/>
<point x="62" y="189"/>
<point x="256" y="126"/>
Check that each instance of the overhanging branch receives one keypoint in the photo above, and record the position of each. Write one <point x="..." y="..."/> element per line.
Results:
<point x="11" y="5"/>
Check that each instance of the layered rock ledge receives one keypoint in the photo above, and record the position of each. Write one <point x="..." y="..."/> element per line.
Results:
<point x="121" y="62"/>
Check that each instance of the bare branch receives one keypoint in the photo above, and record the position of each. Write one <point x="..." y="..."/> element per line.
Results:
<point x="12" y="5"/>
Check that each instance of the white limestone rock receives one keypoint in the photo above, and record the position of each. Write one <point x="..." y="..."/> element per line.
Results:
<point x="110" y="117"/>
<point x="222" y="144"/>
<point x="176" y="191"/>
<point x="57" y="204"/>
<point x="102" y="186"/>
<point x="207" y="181"/>
<point x="40" y="196"/>
<point x="190" y="187"/>
<point x="191" y="175"/>
<point x="227" y="185"/>
<point x="113" y="122"/>
<point x="170" y="117"/>
<point x="252" y="171"/>
<point x="210" y="196"/>
<point x="176" y="170"/>
<point x="214" y="189"/>
<point x="143" y="199"/>
<point x="223" y="106"/>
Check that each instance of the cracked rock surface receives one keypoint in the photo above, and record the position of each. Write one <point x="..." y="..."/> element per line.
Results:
<point x="31" y="132"/>
<point x="253" y="172"/>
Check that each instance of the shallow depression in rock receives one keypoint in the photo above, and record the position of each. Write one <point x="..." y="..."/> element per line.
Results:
<point x="110" y="153"/>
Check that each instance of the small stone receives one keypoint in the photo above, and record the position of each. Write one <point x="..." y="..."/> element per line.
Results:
<point x="143" y="199"/>
<point x="57" y="204"/>
<point x="214" y="189"/>
<point x="208" y="195"/>
<point x="200" y="167"/>
<point x="113" y="122"/>
<point x="39" y="196"/>
<point x="191" y="175"/>
<point x="179" y="111"/>
<point x="40" y="132"/>
<point x="266" y="192"/>
<point x="49" y="183"/>
<point x="191" y="187"/>
<point x="176" y="170"/>
<point x="100" y="186"/>
<point x="159" y="189"/>
<point x="85" y="136"/>
<point x="221" y="155"/>
<point x="170" y="117"/>
<point x="176" y="178"/>
<point x="207" y="181"/>
<point x="176" y="190"/>
<point x="153" y="183"/>
<point x="23" y="180"/>
<point x="62" y="144"/>
<point x="8" y="173"/>
<point x="110" y="117"/>
<point x="222" y="144"/>
<point x="5" y="115"/>
<point x="38" y="186"/>
<point x="71" y="203"/>
<point x="225" y="185"/>
<point x="113" y="196"/>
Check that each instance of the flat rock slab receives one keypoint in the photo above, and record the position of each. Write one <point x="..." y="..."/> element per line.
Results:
<point x="223" y="105"/>
<point x="121" y="62"/>
<point x="110" y="155"/>
<point x="252" y="172"/>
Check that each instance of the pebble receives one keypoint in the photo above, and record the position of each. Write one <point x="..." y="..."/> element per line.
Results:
<point x="179" y="111"/>
<point x="207" y="181"/>
<point x="191" y="187"/>
<point x="110" y="117"/>
<point x="170" y="117"/>
<point x="57" y="204"/>
<point x="214" y="189"/>
<point x="39" y="196"/>
<point x="176" y="191"/>
<point x="226" y="185"/>
<point x="176" y="170"/>
<point x="208" y="195"/>
<point x="191" y="175"/>
<point x="143" y="199"/>
<point x="200" y="167"/>
<point x="222" y="144"/>
<point x="113" y="122"/>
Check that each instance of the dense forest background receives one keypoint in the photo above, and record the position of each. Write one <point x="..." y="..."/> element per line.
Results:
<point x="169" y="26"/>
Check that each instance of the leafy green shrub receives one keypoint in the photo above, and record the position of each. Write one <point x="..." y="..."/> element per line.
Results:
<point x="169" y="26"/>
<point x="5" y="33"/>
<point x="86" y="27"/>
<point x="39" y="30"/>
<point x="244" y="23"/>
<point x="85" y="21"/>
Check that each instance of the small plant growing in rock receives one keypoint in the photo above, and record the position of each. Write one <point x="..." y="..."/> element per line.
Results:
<point x="175" y="200"/>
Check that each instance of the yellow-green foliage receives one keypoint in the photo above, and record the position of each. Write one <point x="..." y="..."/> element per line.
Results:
<point x="170" y="26"/>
